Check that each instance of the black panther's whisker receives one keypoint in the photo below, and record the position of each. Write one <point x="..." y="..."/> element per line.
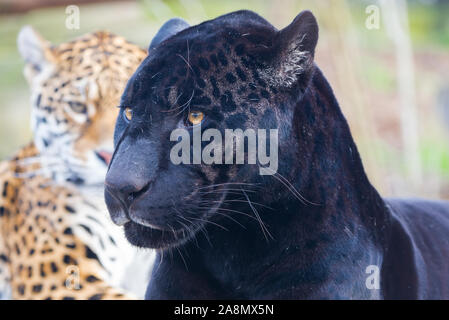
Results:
<point x="291" y="188"/>
<point x="239" y="212"/>
<point x="294" y="189"/>
<point x="225" y="190"/>
<point x="187" y="103"/>
<point x="182" y="257"/>
<point x="173" y="230"/>
<point x="160" y="262"/>
<point x="186" y="226"/>
<point x="200" y="228"/>
<point x="256" y="213"/>
<point x="228" y="183"/>
<point x="220" y="192"/>
<point x="213" y="223"/>
<point x="204" y="232"/>
<point x="188" y="229"/>
<point x="183" y="106"/>
<point x="230" y="218"/>
<point x="174" y="102"/>
<point x="186" y="62"/>
<point x="243" y="201"/>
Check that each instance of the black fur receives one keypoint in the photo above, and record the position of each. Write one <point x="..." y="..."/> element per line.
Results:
<point x="323" y="222"/>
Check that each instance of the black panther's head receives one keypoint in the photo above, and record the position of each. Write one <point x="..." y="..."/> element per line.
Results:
<point x="234" y="72"/>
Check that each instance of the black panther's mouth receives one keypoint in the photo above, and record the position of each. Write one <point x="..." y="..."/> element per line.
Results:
<point x="142" y="231"/>
<point x="148" y="237"/>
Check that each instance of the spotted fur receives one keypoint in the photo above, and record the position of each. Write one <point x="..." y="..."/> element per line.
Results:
<point x="56" y="242"/>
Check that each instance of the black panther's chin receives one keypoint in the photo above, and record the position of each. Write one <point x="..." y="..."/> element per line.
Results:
<point x="146" y="237"/>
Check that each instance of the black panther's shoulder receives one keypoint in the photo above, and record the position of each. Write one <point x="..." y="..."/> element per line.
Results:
<point x="416" y="208"/>
<point x="417" y="249"/>
<point x="421" y="217"/>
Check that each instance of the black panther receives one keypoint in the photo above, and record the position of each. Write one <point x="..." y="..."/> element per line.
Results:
<point x="312" y="229"/>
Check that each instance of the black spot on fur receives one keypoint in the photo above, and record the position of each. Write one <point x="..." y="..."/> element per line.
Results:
<point x="215" y="90"/>
<point x="214" y="59"/>
<point x="90" y="254"/>
<point x="54" y="267"/>
<point x="87" y="229"/>
<point x="92" y="278"/>
<point x="5" y="189"/>
<point x="240" y="73"/>
<point x="42" y="270"/>
<point x="67" y="259"/>
<point x="97" y="296"/>
<point x="240" y="49"/>
<point x="222" y="58"/>
<point x="230" y="78"/>
<point x="37" y="288"/>
<point x="21" y="289"/>
<point x="236" y="121"/>
<point x="69" y="209"/>
<point x="227" y="102"/>
<point x="265" y="94"/>
<point x="201" y="101"/>
<point x="71" y="245"/>
<point x="68" y="231"/>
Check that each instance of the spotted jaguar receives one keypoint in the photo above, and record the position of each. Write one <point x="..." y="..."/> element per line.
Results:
<point x="56" y="239"/>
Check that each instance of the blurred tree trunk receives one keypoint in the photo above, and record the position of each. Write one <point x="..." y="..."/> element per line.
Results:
<point x="395" y="16"/>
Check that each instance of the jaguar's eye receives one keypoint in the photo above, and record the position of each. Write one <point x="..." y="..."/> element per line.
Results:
<point x="195" y="117"/>
<point x="128" y="113"/>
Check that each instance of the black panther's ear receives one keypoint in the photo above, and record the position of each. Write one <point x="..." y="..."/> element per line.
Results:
<point x="294" y="51"/>
<point x="168" y="29"/>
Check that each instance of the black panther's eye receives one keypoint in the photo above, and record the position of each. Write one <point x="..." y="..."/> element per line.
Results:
<point x="128" y="114"/>
<point x="195" y="117"/>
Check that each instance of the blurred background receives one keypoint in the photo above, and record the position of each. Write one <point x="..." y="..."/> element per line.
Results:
<point x="388" y="62"/>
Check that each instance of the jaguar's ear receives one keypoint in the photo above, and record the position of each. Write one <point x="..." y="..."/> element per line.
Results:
<point x="33" y="48"/>
<point x="294" y="50"/>
<point x="168" y="29"/>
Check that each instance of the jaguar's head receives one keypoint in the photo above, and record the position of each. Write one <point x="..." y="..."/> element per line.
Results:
<point x="75" y="87"/>
<point x="234" y="72"/>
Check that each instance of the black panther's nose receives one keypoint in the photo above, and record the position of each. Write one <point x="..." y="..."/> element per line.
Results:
<point x="129" y="176"/>
<point x="120" y="192"/>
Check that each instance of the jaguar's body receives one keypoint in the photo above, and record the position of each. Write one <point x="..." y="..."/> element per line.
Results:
<point x="315" y="228"/>
<point x="56" y="240"/>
